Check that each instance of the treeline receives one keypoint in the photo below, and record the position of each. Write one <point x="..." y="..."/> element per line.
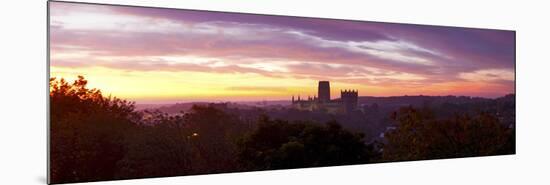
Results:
<point x="94" y="137"/>
<point x="420" y="135"/>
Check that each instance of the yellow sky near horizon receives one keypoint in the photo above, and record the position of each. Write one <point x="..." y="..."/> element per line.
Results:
<point x="191" y="86"/>
<point x="183" y="86"/>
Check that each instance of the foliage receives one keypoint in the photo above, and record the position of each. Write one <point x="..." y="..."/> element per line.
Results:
<point x="197" y="142"/>
<point x="94" y="137"/>
<point x="277" y="144"/>
<point x="87" y="131"/>
<point x="420" y="136"/>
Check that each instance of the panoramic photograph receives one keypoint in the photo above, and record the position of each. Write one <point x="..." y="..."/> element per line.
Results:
<point x="138" y="92"/>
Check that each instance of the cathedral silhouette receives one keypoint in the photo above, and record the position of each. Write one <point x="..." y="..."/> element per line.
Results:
<point x="322" y="102"/>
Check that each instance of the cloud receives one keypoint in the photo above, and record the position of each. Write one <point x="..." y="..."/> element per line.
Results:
<point x="382" y="49"/>
<point x="489" y="75"/>
<point x="269" y="67"/>
<point x="367" y="53"/>
<point x="257" y="88"/>
<point x="244" y="43"/>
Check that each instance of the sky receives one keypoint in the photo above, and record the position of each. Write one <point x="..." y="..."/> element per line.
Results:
<point x="152" y="55"/>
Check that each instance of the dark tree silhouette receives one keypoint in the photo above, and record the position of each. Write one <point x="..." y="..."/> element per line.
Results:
<point x="420" y="136"/>
<point x="200" y="141"/>
<point x="87" y="131"/>
<point x="277" y="144"/>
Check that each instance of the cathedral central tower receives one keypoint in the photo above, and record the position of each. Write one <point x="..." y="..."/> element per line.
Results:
<point x="323" y="92"/>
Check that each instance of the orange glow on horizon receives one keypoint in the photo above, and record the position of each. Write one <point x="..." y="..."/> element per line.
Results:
<point x="162" y="86"/>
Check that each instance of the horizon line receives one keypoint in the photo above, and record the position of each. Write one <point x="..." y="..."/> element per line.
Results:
<point x="289" y="100"/>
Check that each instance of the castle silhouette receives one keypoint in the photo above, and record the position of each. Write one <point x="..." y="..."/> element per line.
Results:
<point x="322" y="102"/>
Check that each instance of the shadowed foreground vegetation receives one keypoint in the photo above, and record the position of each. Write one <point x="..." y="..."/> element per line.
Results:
<point x="94" y="137"/>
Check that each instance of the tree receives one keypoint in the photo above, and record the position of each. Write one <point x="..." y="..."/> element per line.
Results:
<point x="196" y="142"/>
<point x="215" y="133"/>
<point x="163" y="148"/>
<point x="94" y="137"/>
<point x="278" y="144"/>
<point x="421" y="136"/>
<point x="87" y="131"/>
